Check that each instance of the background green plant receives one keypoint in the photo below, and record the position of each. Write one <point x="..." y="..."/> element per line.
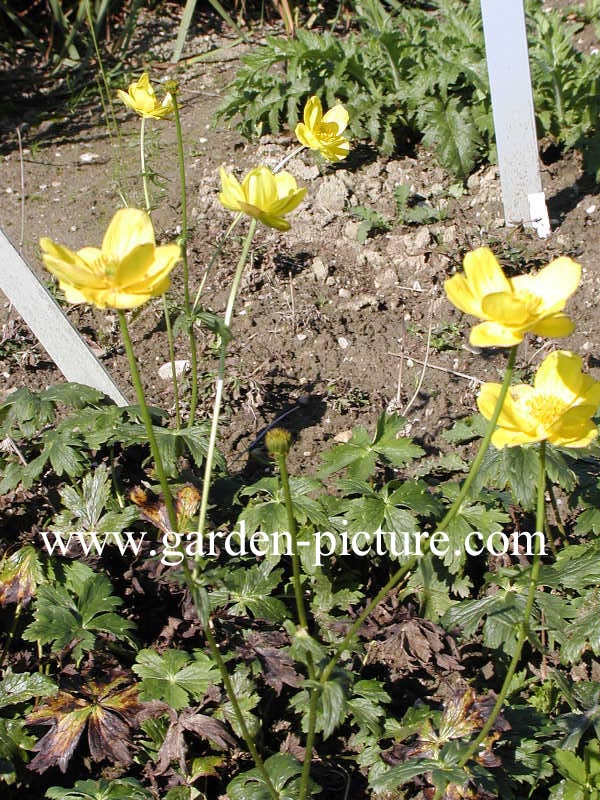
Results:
<point x="407" y="74"/>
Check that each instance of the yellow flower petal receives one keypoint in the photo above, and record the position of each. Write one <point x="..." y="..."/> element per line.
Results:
<point x="556" y="326"/>
<point x="553" y="284"/>
<point x="129" y="228"/>
<point x="339" y="116"/>
<point x="494" y="334"/>
<point x="506" y="308"/>
<point x="164" y="259"/>
<point x="503" y="437"/>
<point x="66" y="265"/>
<point x="484" y="273"/>
<point x="460" y="295"/>
<point x="575" y="428"/>
<point x="306" y="137"/>
<point x="313" y="112"/>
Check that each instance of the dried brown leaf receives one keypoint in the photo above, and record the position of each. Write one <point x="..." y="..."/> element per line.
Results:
<point x="108" y="711"/>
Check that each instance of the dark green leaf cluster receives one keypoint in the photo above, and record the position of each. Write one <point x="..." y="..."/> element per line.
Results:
<point x="409" y="74"/>
<point x="60" y="429"/>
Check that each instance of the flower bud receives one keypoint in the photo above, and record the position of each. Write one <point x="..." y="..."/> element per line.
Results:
<point x="278" y="442"/>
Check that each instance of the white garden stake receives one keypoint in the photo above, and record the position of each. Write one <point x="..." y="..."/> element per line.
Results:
<point x="51" y="327"/>
<point x="514" y="121"/>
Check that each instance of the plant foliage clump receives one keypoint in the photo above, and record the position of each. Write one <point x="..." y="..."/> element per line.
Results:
<point x="407" y="74"/>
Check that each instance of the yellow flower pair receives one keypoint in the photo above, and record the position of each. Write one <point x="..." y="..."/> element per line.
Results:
<point x="559" y="407"/>
<point x="268" y="196"/>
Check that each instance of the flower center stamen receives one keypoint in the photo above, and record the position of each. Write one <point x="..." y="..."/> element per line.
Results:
<point x="546" y="409"/>
<point x="530" y="301"/>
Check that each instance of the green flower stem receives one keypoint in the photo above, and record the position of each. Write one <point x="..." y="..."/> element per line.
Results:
<point x="252" y="749"/>
<point x="143" y="164"/>
<point x="210" y="455"/>
<point x="524" y="626"/>
<point x="450" y="514"/>
<point x="310" y="740"/>
<point x="164" y="297"/>
<point x="147" y="420"/>
<point x="222" y="667"/>
<point x="293" y="529"/>
<point x="186" y="271"/>
<point x="171" y="343"/>
<point x="289" y="157"/>
<point x="10" y="635"/>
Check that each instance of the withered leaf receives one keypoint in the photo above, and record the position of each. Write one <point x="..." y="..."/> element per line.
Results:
<point x="108" y="711"/>
<point x="20" y="574"/>
<point x="415" y="644"/>
<point x="67" y="716"/>
<point x="187" y="502"/>
<point x="277" y="664"/>
<point x="174" y="746"/>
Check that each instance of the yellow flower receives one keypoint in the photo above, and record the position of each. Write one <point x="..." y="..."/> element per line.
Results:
<point x="512" y="307"/>
<point x="558" y="407"/>
<point x="127" y="271"/>
<point x="264" y="195"/>
<point x="323" y="132"/>
<point x="141" y="98"/>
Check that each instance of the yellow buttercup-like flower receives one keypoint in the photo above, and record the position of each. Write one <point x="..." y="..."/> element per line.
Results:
<point x="322" y="132"/>
<point x="126" y="272"/>
<point x="558" y="408"/>
<point x="512" y="307"/>
<point x="264" y="195"/>
<point x="141" y="98"/>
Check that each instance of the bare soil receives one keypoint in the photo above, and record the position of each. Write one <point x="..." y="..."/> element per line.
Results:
<point x="349" y="328"/>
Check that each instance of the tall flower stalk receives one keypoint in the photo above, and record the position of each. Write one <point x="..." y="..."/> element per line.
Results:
<point x="187" y="308"/>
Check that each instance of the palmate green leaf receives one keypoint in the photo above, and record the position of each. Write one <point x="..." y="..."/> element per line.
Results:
<point x="24" y="414"/>
<point x="502" y="613"/>
<point x="19" y="687"/>
<point x="576" y="567"/>
<point x="72" y="394"/>
<point x="570" y="766"/>
<point x="466" y="429"/>
<point x="64" y="453"/>
<point x="515" y="467"/>
<point x="327" y="596"/>
<point x="583" y="631"/>
<point x="401" y="774"/>
<point x="267" y="511"/>
<point x="15" y="741"/>
<point x="389" y="508"/>
<point x="249" y="591"/>
<point x="80" y="609"/>
<point x="245" y="691"/>
<point x="284" y="772"/>
<point x="588" y="521"/>
<point x="332" y="705"/>
<point x="361" y="454"/>
<point x="431" y="587"/>
<point x="118" y="789"/>
<point x="470" y="519"/>
<point x="175" y="676"/>
<point x="366" y="705"/>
